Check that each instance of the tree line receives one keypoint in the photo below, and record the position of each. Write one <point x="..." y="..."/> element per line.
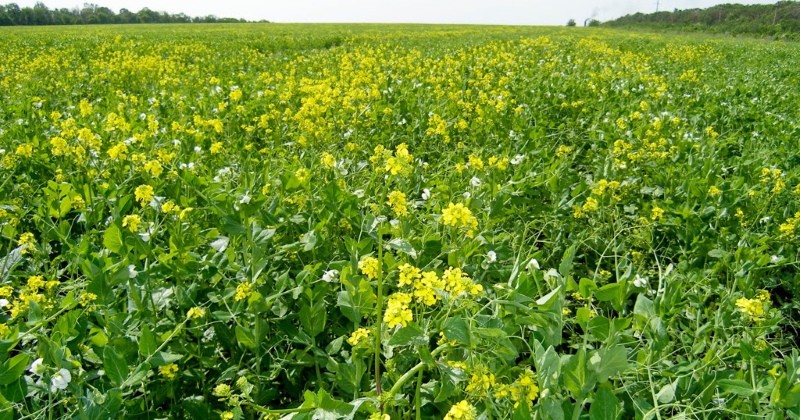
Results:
<point x="11" y="14"/>
<point x="781" y="19"/>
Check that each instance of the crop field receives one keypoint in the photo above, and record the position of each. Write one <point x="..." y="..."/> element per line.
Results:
<point x="397" y="222"/>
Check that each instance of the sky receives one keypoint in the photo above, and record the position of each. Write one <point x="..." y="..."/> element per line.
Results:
<point x="509" y="12"/>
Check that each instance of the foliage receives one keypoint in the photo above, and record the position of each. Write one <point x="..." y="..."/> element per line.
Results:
<point x="781" y="19"/>
<point x="12" y="15"/>
<point x="367" y="221"/>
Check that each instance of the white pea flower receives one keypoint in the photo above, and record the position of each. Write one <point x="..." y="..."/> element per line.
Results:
<point x="491" y="257"/>
<point x="533" y="264"/>
<point x="475" y="182"/>
<point x="426" y="194"/>
<point x="60" y="380"/>
<point x="640" y="281"/>
<point x="330" y="276"/>
<point x="37" y="367"/>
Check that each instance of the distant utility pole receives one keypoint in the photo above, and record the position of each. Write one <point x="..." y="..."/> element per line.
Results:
<point x="657" y="4"/>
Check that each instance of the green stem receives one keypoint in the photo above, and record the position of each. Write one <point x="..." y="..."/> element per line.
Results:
<point x="417" y="402"/>
<point x="261" y="409"/>
<point x="379" y="321"/>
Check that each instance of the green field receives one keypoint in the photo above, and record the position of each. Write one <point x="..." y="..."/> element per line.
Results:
<point x="397" y="222"/>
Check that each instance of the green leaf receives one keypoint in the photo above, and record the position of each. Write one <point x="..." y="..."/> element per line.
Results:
<point x="112" y="239"/>
<point x="605" y="405"/>
<point x="566" y="261"/>
<point x="245" y="337"/>
<point x="162" y="358"/>
<point x="403" y="246"/>
<point x="115" y="366"/>
<point x="147" y="342"/>
<point x="609" y="361"/>
<point x="13" y="368"/>
<point x="457" y="329"/>
<point x="736" y="386"/>
<point x="608" y="292"/>
<point x="408" y="335"/>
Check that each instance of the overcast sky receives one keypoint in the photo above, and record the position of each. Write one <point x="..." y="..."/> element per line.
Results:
<point x="520" y="12"/>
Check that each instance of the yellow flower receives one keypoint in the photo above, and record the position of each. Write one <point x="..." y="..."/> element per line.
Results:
<point x="400" y="163"/>
<point x="754" y="309"/>
<point x="397" y="201"/>
<point x="461" y="411"/>
<point x="35" y="283"/>
<point x="458" y="216"/>
<point x="357" y="336"/>
<point x="475" y="162"/>
<point x="563" y="151"/>
<point x="118" y="152"/>
<point x="154" y="168"/>
<point x="524" y="389"/>
<point x="243" y="291"/>
<point x="215" y="148"/>
<point x="481" y="381"/>
<point x="27" y="241"/>
<point x="131" y="222"/>
<point x="328" y="160"/>
<point x="656" y="213"/>
<point x="397" y="311"/>
<point x="170" y="207"/>
<point x="168" y="371"/>
<point x="196" y="312"/>
<point x="370" y="267"/>
<point x="227" y="415"/>
<point x="87" y="298"/>
<point x="144" y="194"/>
<point x="713" y="191"/>
<point x="408" y="274"/>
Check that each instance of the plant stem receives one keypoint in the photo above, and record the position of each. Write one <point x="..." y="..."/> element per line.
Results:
<point x="379" y="320"/>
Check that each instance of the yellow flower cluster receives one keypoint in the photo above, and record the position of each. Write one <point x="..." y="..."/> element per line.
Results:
<point x="131" y="222"/>
<point x="27" y="241"/>
<point x="774" y="176"/>
<point x="524" y="389"/>
<point x="397" y="311"/>
<point x="463" y="410"/>
<point x="169" y="371"/>
<point x="243" y="291"/>
<point x="755" y="308"/>
<point x="460" y="216"/>
<point x="458" y="283"/>
<point x="144" y="194"/>
<point x="400" y="163"/>
<point x="196" y="312"/>
<point x="358" y="336"/>
<point x="397" y="201"/>
<point x="481" y="381"/>
<point x="370" y="267"/>
<point x="788" y="229"/>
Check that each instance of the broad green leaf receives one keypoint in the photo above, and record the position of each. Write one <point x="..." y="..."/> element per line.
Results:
<point x="13" y="368"/>
<point x="112" y="239"/>
<point x="114" y="365"/>
<point x="605" y="405"/>
<point x="457" y="329"/>
<point x="245" y="337"/>
<point x="410" y="335"/>
<point x="147" y="342"/>
<point x="736" y="386"/>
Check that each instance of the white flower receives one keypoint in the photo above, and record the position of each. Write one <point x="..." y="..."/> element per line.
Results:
<point x="467" y="195"/>
<point x="3" y="303"/>
<point x="426" y="194"/>
<point x="774" y="259"/>
<point x="330" y="276"/>
<point x="37" y="367"/>
<point x="246" y="198"/>
<point x="475" y="182"/>
<point x="491" y="257"/>
<point x="60" y="380"/>
<point x="640" y="281"/>
<point x="198" y="149"/>
<point x="517" y="159"/>
<point x="394" y="222"/>
<point x="132" y="273"/>
<point x="221" y="244"/>
<point x="358" y="193"/>
<point x="532" y="264"/>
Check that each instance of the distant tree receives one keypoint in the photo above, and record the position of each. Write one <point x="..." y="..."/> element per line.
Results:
<point x="593" y="22"/>
<point x="571" y="22"/>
